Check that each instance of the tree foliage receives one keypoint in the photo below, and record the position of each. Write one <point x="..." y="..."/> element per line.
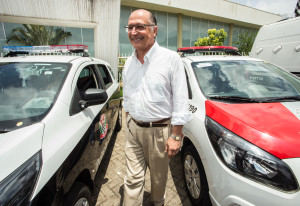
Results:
<point x="215" y="38"/>
<point x="37" y="35"/>
<point x="245" y="42"/>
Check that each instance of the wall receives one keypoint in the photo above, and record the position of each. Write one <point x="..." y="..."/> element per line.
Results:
<point x="217" y="10"/>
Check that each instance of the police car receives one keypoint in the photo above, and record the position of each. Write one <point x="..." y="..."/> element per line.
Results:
<point x="57" y="116"/>
<point x="243" y="145"/>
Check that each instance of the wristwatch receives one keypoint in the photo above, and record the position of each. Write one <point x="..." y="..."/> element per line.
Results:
<point x="177" y="138"/>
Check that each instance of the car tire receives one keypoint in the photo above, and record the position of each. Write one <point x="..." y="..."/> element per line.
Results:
<point x="79" y="195"/>
<point x="119" y="120"/>
<point x="195" y="178"/>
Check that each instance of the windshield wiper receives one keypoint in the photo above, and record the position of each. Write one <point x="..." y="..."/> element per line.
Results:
<point x="5" y="130"/>
<point x="276" y="99"/>
<point x="235" y="99"/>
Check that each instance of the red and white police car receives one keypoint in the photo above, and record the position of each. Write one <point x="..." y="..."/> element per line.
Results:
<point x="243" y="145"/>
<point x="57" y="116"/>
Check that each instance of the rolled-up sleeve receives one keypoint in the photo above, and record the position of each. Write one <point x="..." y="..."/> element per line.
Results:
<point x="180" y="114"/>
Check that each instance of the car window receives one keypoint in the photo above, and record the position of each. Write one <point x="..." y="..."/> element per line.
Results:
<point x="112" y="73"/>
<point x="28" y="90"/>
<point x="87" y="79"/>
<point x="249" y="79"/>
<point x="105" y="75"/>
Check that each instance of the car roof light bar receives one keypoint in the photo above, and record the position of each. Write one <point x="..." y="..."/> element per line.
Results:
<point x="72" y="48"/>
<point x="225" y="49"/>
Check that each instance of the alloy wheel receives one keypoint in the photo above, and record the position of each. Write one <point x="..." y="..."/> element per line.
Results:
<point x="192" y="176"/>
<point x="82" y="202"/>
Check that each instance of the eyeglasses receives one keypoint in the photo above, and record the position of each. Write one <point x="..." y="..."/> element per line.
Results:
<point x="138" y="27"/>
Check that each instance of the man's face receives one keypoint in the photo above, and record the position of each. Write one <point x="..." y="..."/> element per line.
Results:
<point x="141" y="40"/>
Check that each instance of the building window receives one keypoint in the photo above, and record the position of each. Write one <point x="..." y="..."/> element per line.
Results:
<point x="194" y="28"/>
<point x="125" y="48"/>
<point x="79" y="36"/>
<point x="186" y="31"/>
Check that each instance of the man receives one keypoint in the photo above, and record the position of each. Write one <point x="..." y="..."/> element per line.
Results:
<point x="156" y="106"/>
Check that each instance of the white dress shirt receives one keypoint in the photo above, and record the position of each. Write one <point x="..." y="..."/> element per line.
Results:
<point x="156" y="89"/>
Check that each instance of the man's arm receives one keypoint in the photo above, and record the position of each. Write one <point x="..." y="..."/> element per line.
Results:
<point x="180" y="114"/>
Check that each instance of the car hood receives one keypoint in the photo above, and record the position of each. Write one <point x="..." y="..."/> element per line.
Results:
<point x="274" y="127"/>
<point x="18" y="146"/>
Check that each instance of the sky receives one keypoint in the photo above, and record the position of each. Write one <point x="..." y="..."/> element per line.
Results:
<point x="285" y="8"/>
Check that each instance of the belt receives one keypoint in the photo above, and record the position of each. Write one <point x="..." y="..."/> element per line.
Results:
<point x="159" y="123"/>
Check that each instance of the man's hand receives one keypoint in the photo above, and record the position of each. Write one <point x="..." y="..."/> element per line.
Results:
<point x="172" y="147"/>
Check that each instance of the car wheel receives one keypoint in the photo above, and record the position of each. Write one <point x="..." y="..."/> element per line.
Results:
<point x="79" y="195"/>
<point x="119" y="120"/>
<point x="195" y="178"/>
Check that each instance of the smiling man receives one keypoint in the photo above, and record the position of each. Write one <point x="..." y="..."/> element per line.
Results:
<point x="156" y="106"/>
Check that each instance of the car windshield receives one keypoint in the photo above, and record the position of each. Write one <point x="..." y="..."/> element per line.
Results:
<point x="28" y="91"/>
<point x="250" y="81"/>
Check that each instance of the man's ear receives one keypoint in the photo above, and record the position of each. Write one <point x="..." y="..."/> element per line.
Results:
<point x="155" y="30"/>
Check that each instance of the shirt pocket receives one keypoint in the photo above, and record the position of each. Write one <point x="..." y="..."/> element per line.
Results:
<point x="154" y="93"/>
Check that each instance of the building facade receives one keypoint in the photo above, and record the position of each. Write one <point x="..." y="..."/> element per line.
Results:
<point x="91" y="22"/>
<point x="100" y="23"/>
<point x="182" y="22"/>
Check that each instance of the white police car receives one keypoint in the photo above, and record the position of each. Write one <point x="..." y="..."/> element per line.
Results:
<point x="57" y="115"/>
<point x="243" y="145"/>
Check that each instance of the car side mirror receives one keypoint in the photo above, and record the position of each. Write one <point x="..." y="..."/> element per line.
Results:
<point x="93" y="97"/>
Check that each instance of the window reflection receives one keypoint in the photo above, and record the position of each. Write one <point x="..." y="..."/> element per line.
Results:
<point x="29" y="89"/>
<point x="79" y="36"/>
<point x="249" y="79"/>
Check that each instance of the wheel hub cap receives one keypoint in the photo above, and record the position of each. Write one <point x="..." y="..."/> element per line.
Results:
<point x="192" y="176"/>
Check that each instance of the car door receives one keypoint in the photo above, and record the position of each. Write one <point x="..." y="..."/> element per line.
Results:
<point x="113" y="104"/>
<point x="97" y="119"/>
<point x="73" y="145"/>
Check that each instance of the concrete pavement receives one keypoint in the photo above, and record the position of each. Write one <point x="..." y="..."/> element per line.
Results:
<point x="110" y="178"/>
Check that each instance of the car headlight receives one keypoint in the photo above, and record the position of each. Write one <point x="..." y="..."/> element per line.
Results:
<point x="249" y="160"/>
<point x="16" y="188"/>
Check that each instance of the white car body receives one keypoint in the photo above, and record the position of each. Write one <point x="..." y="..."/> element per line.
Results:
<point x="225" y="186"/>
<point x="62" y="137"/>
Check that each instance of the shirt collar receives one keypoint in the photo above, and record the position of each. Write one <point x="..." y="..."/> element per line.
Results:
<point x="149" y="54"/>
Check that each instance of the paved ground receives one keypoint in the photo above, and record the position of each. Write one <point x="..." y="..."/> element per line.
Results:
<point x="109" y="180"/>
